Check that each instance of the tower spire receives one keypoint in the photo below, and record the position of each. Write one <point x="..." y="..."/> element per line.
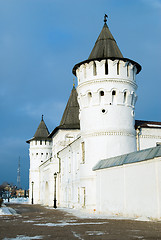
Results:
<point x="105" y="18"/>
<point x="18" y="175"/>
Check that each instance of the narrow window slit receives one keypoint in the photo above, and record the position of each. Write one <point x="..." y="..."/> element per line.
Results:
<point x="118" y="68"/>
<point x="128" y="70"/>
<point x="94" y="69"/>
<point x="106" y="67"/>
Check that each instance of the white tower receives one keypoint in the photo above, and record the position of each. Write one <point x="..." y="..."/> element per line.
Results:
<point x="40" y="150"/>
<point x="107" y="95"/>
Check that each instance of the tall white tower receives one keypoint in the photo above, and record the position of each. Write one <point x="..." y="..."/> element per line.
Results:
<point x="107" y="95"/>
<point x="40" y="150"/>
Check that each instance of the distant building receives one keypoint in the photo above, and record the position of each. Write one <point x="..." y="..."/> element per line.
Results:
<point x="103" y="159"/>
<point x="20" y="192"/>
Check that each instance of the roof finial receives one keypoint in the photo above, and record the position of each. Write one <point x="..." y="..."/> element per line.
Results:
<point x="73" y="82"/>
<point x="42" y="117"/>
<point x="105" y="18"/>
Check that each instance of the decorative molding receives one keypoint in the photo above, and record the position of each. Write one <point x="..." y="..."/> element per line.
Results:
<point x="109" y="133"/>
<point x="107" y="80"/>
<point x="150" y="136"/>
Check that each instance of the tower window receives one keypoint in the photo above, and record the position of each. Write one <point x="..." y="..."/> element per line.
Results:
<point x="113" y="96"/>
<point x="89" y="94"/>
<point x="118" y="68"/>
<point x="132" y="98"/>
<point x="89" y="97"/>
<point x="94" y="69"/>
<point x="125" y="97"/>
<point x="106" y="67"/>
<point x="102" y="93"/>
<point x="40" y="142"/>
<point x="128" y="70"/>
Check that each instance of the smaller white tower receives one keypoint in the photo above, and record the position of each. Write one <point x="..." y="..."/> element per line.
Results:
<point x="40" y="150"/>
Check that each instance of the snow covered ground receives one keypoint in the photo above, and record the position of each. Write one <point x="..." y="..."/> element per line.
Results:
<point x="17" y="200"/>
<point x="22" y="237"/>
<point x="78" y="213"/>
<point x="85" y="214"/>
<point x="9" y="211"/>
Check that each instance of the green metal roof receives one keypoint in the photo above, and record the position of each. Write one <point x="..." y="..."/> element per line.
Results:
<point x="133" y="157"/>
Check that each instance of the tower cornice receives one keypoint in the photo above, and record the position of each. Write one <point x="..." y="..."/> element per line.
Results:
<point x="122" y="81"/>
<point x="138" y="66"/>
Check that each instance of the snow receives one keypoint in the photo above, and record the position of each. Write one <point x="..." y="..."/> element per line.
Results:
<point x="5" y="211"/>
<point x="78" y="213"/>
<point x="19" y="200"/>
<point x="77" y="235"/>
<point x="93" y="233"/>
<point x="68" y="224"/>
<point x="154" y="125"/>
<point x="9" y="211"/>
<point x="22" y="237"/>
<point x="93" y="215"/>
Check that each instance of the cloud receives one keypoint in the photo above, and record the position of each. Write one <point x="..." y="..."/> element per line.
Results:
<point x="153" y="3"/>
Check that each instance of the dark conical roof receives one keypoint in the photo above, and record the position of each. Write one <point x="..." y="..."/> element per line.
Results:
<point x="105" y="46"/>
<point x="42" y="130"/>
<point x="41" y="133"/>
<point x="70" y="118"/>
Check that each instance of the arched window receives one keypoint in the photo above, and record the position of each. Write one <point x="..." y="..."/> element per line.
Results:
<point x="118" y="68"/>
<point x="101" y="97"/>
<point x="89" y="97"/>
<point x="106" y="67"/>
<point x="89" y="94"/>
<point x="94" y="69"/>
<point x="102" y="93"/>
<point x="113" y="96"/>
<point x="132" y="98"/>
<point x="125" y="97"/>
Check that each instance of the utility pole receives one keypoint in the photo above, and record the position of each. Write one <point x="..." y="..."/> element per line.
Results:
<point x="18" y="175"/>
